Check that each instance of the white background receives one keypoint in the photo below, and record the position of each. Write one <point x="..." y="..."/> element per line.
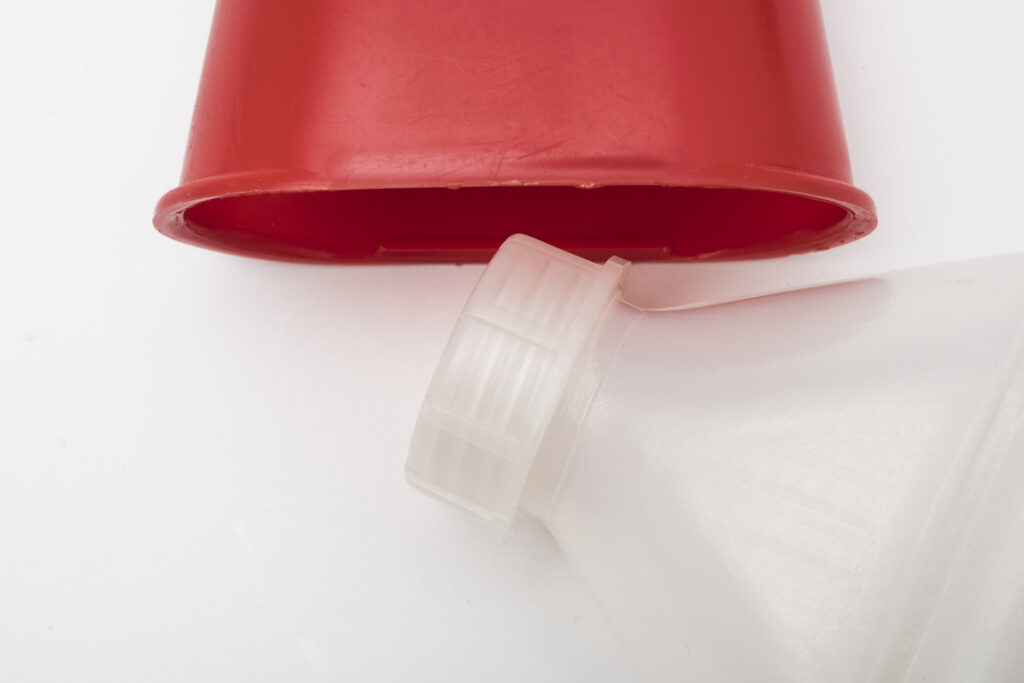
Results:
<point x="201" y="455"/>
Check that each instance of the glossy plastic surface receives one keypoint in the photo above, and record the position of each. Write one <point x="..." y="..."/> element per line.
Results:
<point x="820" y="485"/>
<point x="336" y="130"/>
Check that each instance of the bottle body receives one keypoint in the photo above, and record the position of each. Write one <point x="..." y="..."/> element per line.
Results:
<point x="785" y="488"/>
<point x="818" y="485"/>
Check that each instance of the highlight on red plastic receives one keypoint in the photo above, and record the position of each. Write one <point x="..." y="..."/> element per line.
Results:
<point x="360" y="131"/>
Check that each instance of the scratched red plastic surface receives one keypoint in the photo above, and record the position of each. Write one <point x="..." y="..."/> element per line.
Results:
<point x="385" y="130"/>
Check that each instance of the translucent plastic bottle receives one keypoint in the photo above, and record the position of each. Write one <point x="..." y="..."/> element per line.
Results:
<point x="820" y="485"/>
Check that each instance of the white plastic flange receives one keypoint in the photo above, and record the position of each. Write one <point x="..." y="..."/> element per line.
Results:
<point x="504" y="374"/>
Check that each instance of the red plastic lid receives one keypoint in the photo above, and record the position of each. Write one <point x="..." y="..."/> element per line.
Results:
<point x="383" y="131"/>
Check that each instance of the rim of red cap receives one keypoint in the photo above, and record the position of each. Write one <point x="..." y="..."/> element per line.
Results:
<point x="735" y="212"/>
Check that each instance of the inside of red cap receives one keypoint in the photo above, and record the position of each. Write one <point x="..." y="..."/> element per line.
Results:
<point x="637" y="222"/>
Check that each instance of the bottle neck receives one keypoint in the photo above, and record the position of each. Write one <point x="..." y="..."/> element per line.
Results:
<point x="512" y="363"/>
<point x="558" y="446"/>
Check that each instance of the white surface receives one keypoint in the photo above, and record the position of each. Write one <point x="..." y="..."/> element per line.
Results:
<point x="201" y="456"/>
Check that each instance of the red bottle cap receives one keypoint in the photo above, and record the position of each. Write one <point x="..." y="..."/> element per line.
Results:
<point x="384" y="130"/>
